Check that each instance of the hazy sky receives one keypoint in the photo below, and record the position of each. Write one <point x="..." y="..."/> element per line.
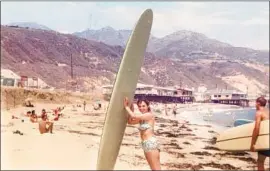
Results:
<point x="243" y="24"/>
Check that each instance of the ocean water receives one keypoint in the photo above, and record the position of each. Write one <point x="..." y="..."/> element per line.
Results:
<point x="226" y="119"/>
<point x="220" y="120"/>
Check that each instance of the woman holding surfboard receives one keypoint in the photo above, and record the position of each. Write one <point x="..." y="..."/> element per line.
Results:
<point x="146" y="120"/>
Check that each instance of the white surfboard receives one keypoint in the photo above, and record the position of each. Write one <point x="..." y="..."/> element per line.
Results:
<point x="124" y="86"/>
<point x="239" y="138"/>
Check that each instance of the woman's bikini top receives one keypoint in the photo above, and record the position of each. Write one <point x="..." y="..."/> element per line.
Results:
<point x="144" y="126"/>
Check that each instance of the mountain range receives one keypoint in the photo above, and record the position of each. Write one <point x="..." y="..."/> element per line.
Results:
<point x="180" y="44"/>
<point x="182" y="58"/>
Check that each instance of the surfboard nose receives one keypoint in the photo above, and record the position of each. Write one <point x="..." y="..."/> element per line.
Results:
<point x="148" y="13"/>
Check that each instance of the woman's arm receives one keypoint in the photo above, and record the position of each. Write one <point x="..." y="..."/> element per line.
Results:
<point x="132" y="115"/>
<point x="133" y="121"/>
<point x="130" y="120"/>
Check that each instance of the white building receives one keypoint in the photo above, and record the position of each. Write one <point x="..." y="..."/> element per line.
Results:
<point x="9" y="78"/>
<point x="226" y="95"/>
<point x="231" y="97"/>
<point x="145" y="89"/>
<point x="153" y="90"/>
<point x="200" y="94"/>
<point x="33" y="82"/>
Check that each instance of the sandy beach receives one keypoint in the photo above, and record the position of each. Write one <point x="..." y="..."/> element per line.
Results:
<point x="75" y="141"/>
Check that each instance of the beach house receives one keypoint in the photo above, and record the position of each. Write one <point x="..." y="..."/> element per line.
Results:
<point x="232" y="97"/>
<point x="200" y="93"/>
<point x="157" y="94"/>
<point x="9" y="78"/>
<point x="32" y="82"/>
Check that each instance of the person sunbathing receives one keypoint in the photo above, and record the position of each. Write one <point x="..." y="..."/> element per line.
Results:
<point x="15" y="117"/>
<point x="27" y="115"/>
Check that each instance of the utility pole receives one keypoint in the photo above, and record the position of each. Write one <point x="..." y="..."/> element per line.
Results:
<point x="71" y="62"/>
<point x="71" y="66"/>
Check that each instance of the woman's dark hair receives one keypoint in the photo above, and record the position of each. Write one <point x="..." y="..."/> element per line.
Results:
<point x="146" y="102"/>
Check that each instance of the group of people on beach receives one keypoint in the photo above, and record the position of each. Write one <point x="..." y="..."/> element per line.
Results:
<point x="45" y="124"/>
<point x="150" y="145"/>
<point x="146" y="120"/>
<point x="167" y="107"/>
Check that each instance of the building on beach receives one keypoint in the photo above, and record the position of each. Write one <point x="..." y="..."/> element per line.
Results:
<point x="200" y="93"/>
<point x="164" y="94"/>
<point x="32" y="82"/>
<point x="157" y="94"/>
<point x="9" y="78"/>
<point x="231" y="97"/>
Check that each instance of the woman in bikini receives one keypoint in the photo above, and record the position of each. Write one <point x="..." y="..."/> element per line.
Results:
<point x="146" y="120"/>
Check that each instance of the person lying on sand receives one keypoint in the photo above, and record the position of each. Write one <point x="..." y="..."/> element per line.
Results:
<point x="28" y="113"/>
<point x="45" y="125"/>
<point x="15" y="117"/>
<point x="146" y="119"/>
<point x="261" y="114"/>
<point x="28" y="104"/>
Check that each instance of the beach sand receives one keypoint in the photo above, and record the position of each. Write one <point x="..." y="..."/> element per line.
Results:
<point x="75" y="141"/>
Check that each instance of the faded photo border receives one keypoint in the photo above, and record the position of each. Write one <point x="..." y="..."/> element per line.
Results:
<point x="148" y="5"/>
